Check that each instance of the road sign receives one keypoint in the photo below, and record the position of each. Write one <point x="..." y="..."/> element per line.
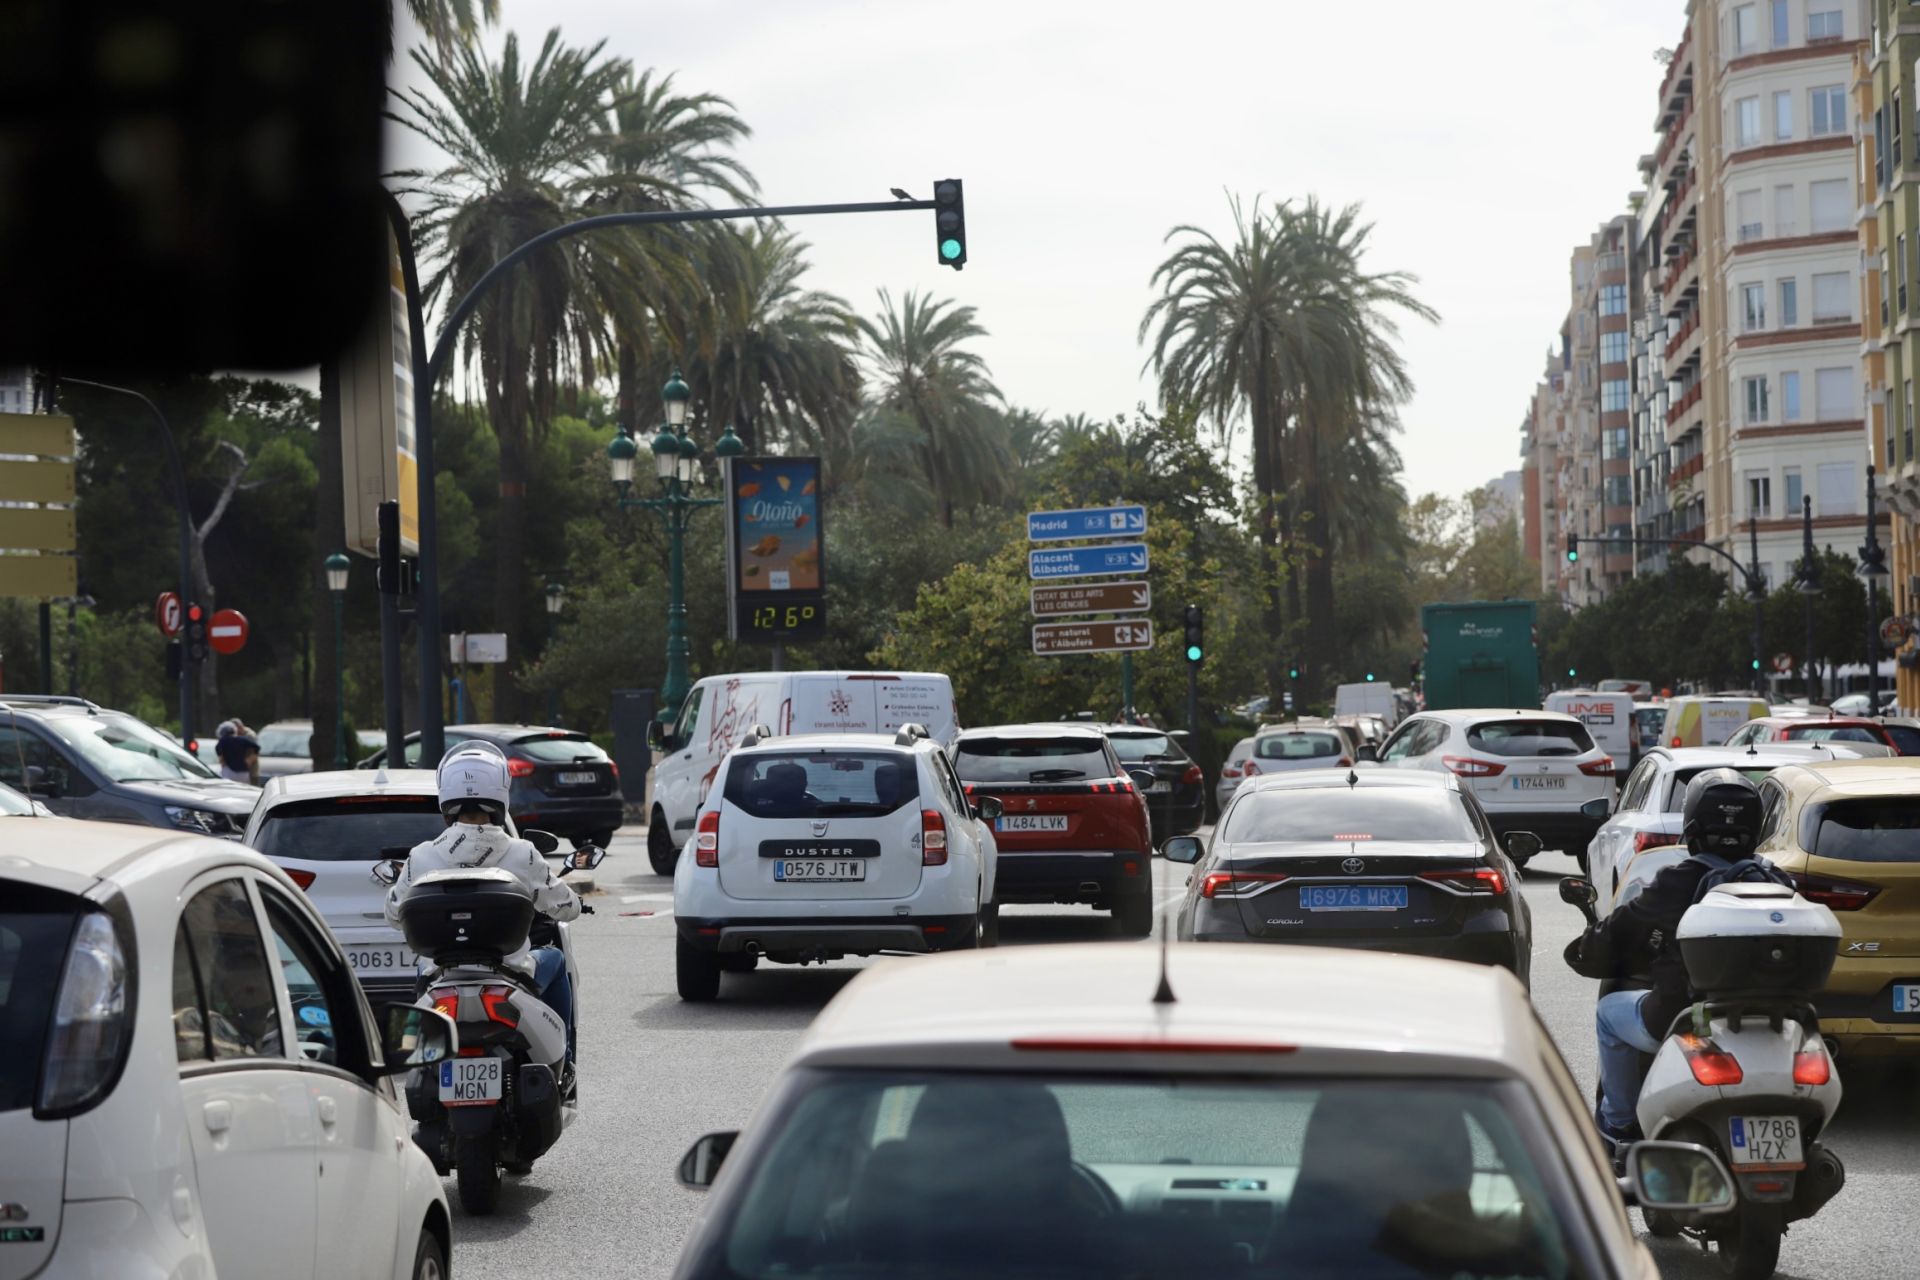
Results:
<point x="167" y="614"/>
<point x="1087" y="522"/>
<point x="36" y="528"/>
<point x="1091" y="637"/>
<point x="227" y="631"/>
<point x="44" y="434"/>
<point x="39" y="577"/>
<point x="478" y="647"/>
<point x="1783" y="662"/>
<point x="1091" y="597"/>
<point x="1111" y="561"/>
<point x="1893" y="632"/>
<point x="36" y="482"/>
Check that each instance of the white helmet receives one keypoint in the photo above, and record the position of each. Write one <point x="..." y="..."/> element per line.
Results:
<point x="474" y="773"/>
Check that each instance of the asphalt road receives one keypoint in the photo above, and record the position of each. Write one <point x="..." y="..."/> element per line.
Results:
<point x="656" y="1074"/>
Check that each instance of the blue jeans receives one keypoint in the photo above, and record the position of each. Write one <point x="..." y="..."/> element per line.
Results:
<point x="556" y="989"/>
<point x="1623" y="1038"/>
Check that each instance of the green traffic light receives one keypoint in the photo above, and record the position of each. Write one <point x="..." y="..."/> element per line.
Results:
<point x="1369" y="677"/>
<point x="949" y="249"/>
<point x="1756" y="664"/>
<point x="1293" y="673"/>
<point x="1571" y="672"/>
<point x="1193" y="653"/>
<point x="1572" y="556"/>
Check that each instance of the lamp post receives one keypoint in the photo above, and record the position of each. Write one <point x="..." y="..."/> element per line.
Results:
<point x="675" y="467"/>
<point x="556" y="601"/>
<point x="1809" y="584"/>
<point x="1873" y="566"/>
<point x="337" y="568"/>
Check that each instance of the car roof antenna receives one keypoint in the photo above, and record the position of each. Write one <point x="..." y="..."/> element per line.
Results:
<point x="1353" y="778"/>
<point x="1163" y="994"/>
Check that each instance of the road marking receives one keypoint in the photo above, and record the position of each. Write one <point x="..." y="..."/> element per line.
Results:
<point x="646" y="897"/>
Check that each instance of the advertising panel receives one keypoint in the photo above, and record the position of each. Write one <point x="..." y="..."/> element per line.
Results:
<point x="376" y="420"/>
<point x="776" y="568"/>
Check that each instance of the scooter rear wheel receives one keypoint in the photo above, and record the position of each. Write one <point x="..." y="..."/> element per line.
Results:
<point x="1750" y="1250"/>
<point x="1661" y="1225"/>
<point x="477" y="1174"/>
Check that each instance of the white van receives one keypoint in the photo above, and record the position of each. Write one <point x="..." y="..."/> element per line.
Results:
<point x="1608" y="717"/>
<point x="1367" y="698"/>
<point x="720" y="709"/>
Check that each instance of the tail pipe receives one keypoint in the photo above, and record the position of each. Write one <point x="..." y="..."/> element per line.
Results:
<point x="1818" y="1183"/>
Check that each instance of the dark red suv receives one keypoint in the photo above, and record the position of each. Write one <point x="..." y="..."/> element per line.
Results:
<point x="1074" y="826"/>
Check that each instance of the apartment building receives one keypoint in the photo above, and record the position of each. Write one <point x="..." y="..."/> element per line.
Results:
<point x="1646" y="265"/>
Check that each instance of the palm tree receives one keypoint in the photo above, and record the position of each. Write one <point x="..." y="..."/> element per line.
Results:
<point x="921" y="371"/>
<point x="450" y="25"/>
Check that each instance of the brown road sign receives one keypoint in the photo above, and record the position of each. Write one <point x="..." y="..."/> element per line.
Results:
<point x="39" y="577"/>
<point x="1091" y="597"/>
<point x="1091" y="637"/>
<point x="47" y="434"/>
<point x="36" y="529"/>
<point x="36" y="482"/>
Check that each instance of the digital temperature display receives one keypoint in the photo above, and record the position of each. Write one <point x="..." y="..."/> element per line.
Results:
<point x="803" y="618"/>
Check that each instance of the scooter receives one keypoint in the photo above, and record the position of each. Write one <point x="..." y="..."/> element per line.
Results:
<point x="1744" y="1071"/>
<point x="505" y="1099"/>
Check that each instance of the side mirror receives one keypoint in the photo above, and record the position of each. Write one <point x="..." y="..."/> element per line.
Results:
<point x="1597" y="809"/>
<point x="1576" y="892"/>
<point x="387" y="871"/>
<point x="1522" y="845"/>
<point x="1181" y="849"/>
<point x="585" y="858"/>
<point x="701" y="1165"/>
<point x="47" y="783"/>
<point x="989" y="807"/>
<point x="1367" y="754"/>
<point x="1677" y="1177"/>
<point x="1142" y="778"/>
<point x="411" y="1036"/>
<point x="545" y="841"/>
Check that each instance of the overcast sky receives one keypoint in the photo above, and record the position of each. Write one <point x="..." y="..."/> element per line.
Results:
<point x="1484" y="139"/>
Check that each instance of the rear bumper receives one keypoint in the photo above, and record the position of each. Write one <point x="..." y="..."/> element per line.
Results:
<point x="1178" y="815"/>
<point x="782" y="937"/>
<point x="569" y="815"/>
<point x="1486" y="938"/>
<point x="1093" y="876"/>
<point x="1857" y="1007"/>
<point x="1566" y="831"/>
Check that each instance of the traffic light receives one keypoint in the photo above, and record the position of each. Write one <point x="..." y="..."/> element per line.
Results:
<point x="1571" y="673"/>
<point x="196" y="633"/>
<point x="1755" y="663"/>
<point x="1369" y="677"/>
<point x="1293" y="671"/>
<point x="1573" y="547"/>
<point x="950" y="222"/>
<point x="1196" y="641"/>
<point x="387" y="576"/>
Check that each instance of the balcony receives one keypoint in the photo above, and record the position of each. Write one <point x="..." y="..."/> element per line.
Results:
<point x="1689" y="399"/>
<point x="1672" y="137"/>
<point x="1677" y="269"/>
<point x="1687" y="330"/>
<point x="1685" y="471"/>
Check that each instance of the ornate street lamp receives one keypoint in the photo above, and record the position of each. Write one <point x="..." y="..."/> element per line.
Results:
<point x="338" y="567"/>
<point x="1873" y="566"/>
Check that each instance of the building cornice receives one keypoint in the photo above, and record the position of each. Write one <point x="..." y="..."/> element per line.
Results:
<point x="1799" y="53"/>
<point x="1786" y="150"/>
<point x="1840" y="427"/>
<point x="1849" y="329"/>
<point x="1796" y="242"/>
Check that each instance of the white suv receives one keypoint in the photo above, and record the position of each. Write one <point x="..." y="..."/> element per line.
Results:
<point x="1530" y="770"/>
<point x="821" y="846"/>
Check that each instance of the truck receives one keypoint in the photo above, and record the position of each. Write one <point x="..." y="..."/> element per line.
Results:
<point x="1481" y="654"/>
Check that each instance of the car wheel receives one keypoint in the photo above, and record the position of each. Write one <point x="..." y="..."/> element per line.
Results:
<point x="989" y="924"/>
<point x="660" y="847"/>
<point x="429" y="1259"/>
<point x="696" y="973"/>
<point x="1134" y="916"/>
<point x="476" y="1173"/>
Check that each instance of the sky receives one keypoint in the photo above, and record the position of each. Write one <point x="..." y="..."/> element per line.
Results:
<point x="1483" y="139"/>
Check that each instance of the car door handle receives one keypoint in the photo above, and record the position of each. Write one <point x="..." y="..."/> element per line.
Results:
<point x="219" y="1116"/>
<point x="329" y="1112"/>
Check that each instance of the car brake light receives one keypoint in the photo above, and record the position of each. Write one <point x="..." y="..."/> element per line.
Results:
<point x="1135" y="1044"/>
<point x="1712" y="1065"/>
<point x="1468" y="767"/>
<point x="1192" y="774"/>
<point x="302" y="878"/>
<point x="615" y="766"/>
<point x="1225" y="884"/>
<point x="1251" y="770"/>
<point x="1675" y="741"/>
<point x="519" y="768"/>
<point x="933" y="838"/>
<point x="1810" y="1065"/>
<point x="1834" y="894"/>
<point x="1346" y="762"/>
<point x="1489" y="880"/>
<point x="1229" y="770"/>
<point x="706" y="840"/>
<point x="1601" y="768"/>
<point x="498" y="1002"/>
<point x="90" y="1028"/>
<point x="1645" y="840"/>
<point x="446" y="1002"/>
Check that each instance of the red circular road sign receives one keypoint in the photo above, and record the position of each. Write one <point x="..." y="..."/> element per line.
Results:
<point x="1783" y="662"/>
<point x="166" y="613"/>
<point x="227" y="631"/>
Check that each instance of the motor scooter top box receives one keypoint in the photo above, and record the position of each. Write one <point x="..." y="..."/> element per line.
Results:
<point x="467" y="911"/>
<point x="1758" y="940"/>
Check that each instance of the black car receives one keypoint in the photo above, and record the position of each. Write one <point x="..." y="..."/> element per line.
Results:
<point x="561" y="781"/>
<point x="1383" y="860"/>
<point x="1177" y="800"/>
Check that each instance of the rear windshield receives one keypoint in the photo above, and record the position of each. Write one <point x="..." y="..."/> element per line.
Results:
<point x="1416" y="814"/>
<point x="1520" y="737"/>
<point x="349" y="828"/>
<point x="1906" y="739"/>
<point x="285" y="742"/>
<point x="35" y="924"/>
<point x="1299" y="746"/>
<point x="1135" y="748"/>
<point x="558" y="748"/>
<point x="1833" y="733"/>
<point x="1031" y="759"/>
<point x="822" y="784"/>
<point x="1677" y="795"/>
<point x="1885" y="830"/>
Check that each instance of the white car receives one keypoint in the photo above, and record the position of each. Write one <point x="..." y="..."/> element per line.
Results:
<point x="1127" y="1111"/>
<point x="193" y="1083"/>
<point x="1530" y="770"/>
<point x="1280" y="750"/>
<point x="286" y="747"/>
<point x="820" y="846"/>
<point x="1647" y="815"/>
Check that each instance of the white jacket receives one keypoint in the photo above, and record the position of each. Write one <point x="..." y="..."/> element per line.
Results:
<point x="465" y="844"/>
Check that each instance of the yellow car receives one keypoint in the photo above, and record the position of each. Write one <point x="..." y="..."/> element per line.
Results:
<point x="1848" y="831"/>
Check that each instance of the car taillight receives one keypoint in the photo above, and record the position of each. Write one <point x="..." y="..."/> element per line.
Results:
<point x="1601" y="768"/>
<point x="302" y="878"/>
<point x="1832" y="893"/>
<point x="1229" y="770"/>
<point x="446" y="1002"/>
<point x="706" y="840"/>
<point x="1251" y="770"/>
<point x="1489" y="880"/>
<point x="1810" y="1065"/>
<point x="933" y="838"/>
<point x="1468" y="767"/>
<point x="498" y="1002"/>
<point x="613" y="765"/>
<point x="1227" y="884"/>
<point x="87" y="1040"/>
<point x="1645" y="840"/>
<point x="1712" y="1065"/>
<point x="1675" y="741"/>
<point x="519" y="768"/>
<point x="1192" y="774"/>
<point x="1117" y="787"/>
<point x="1346" y="762"/>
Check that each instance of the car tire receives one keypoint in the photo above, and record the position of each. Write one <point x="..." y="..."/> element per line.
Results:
<point x="476" y="1174"/>
<point x="989" y="924"/>
<point x="429" y="1258"/>
<point x="1660" y="1224"/>
<point x="696" y="973"/>
<point x="600" y="839"/>
<point x="1134" y="915"/>
<point x="661" y="851"/>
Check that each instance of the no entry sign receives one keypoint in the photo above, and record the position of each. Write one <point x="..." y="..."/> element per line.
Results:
<point x="227" y="631"/>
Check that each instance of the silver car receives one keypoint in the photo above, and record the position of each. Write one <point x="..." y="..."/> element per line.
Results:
<point x="1281" y="749"/>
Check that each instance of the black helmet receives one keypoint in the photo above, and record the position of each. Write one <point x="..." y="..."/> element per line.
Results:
<point x="1721" y="814"/>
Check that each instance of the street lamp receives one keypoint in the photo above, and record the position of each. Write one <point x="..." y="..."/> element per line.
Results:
<point x="675" y="466"/>
<point x="1873" y="565"/>
<point x="556" y="601"/>
<point x="337" y="568"/>
<point x="1809" y="583"/>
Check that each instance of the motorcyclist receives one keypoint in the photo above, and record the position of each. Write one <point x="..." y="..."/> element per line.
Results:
<point x="473" y="784"/>
<point x="1720" y="826"/>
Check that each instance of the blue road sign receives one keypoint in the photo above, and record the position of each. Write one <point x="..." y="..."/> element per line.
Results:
<point x="1088" y="522"/>
<point x="1113" y="560"/>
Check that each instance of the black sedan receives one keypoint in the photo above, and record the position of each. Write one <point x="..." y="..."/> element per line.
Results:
<point x="560" y="781"/>
<point x="1177" y="800"/>
<point x="1384" y="860"/>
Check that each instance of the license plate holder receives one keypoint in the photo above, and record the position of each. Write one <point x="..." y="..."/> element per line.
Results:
<point x="1159" y="788"/>
<point x="819" y="870"/>
<point x="1353" y="897"/>
<point x="378" y="959"/>
<point x="1031" y="822"/>
<point x="471" y="1082"/>
<point x="576" y="778"/>
<point x="1906" y="998"/>
<point x="1764" y="1143"/>
<point x="1539" y="782"/>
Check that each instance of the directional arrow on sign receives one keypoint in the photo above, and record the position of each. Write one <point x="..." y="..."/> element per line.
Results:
<point x="1068" y="599"/>
<point x="1087" y="522"/>
<point x="1111" y="561"/>
<point x="1091" y="637"/>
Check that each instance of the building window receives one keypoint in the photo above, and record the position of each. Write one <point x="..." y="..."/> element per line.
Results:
<point x="1613" y="396"/>
<point x="1753" y="308"/>
<point x="1614" y="444"/>
<point x="1746" y="29"/>
<point x="1832" y="205"/>
<point x="1906" y="428"/>
<point x="1790" y="396"/>
<point x="1617" y="491"/>
<point x="1759" y="495"/>
<point x="1789" y="302"/>
<point x="1756" y="399"/>
<point x="1785" y="211"/>
<point x="1825" y="25"/>
<point x="1900" y="247"/>
<point x="1827" y="112"/>
<point x="1832" y="299"/>
<point x="1613" y="348"/>
<point x="1746" y="122"/>
<point x="1790" y="486"/>
<point x="1613" y="299"/>
<point x="1837" y="494"/>
<point x="1895" y="114"/>
<point x="1746" y="215"/>
<point x="1833" y="395"/>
